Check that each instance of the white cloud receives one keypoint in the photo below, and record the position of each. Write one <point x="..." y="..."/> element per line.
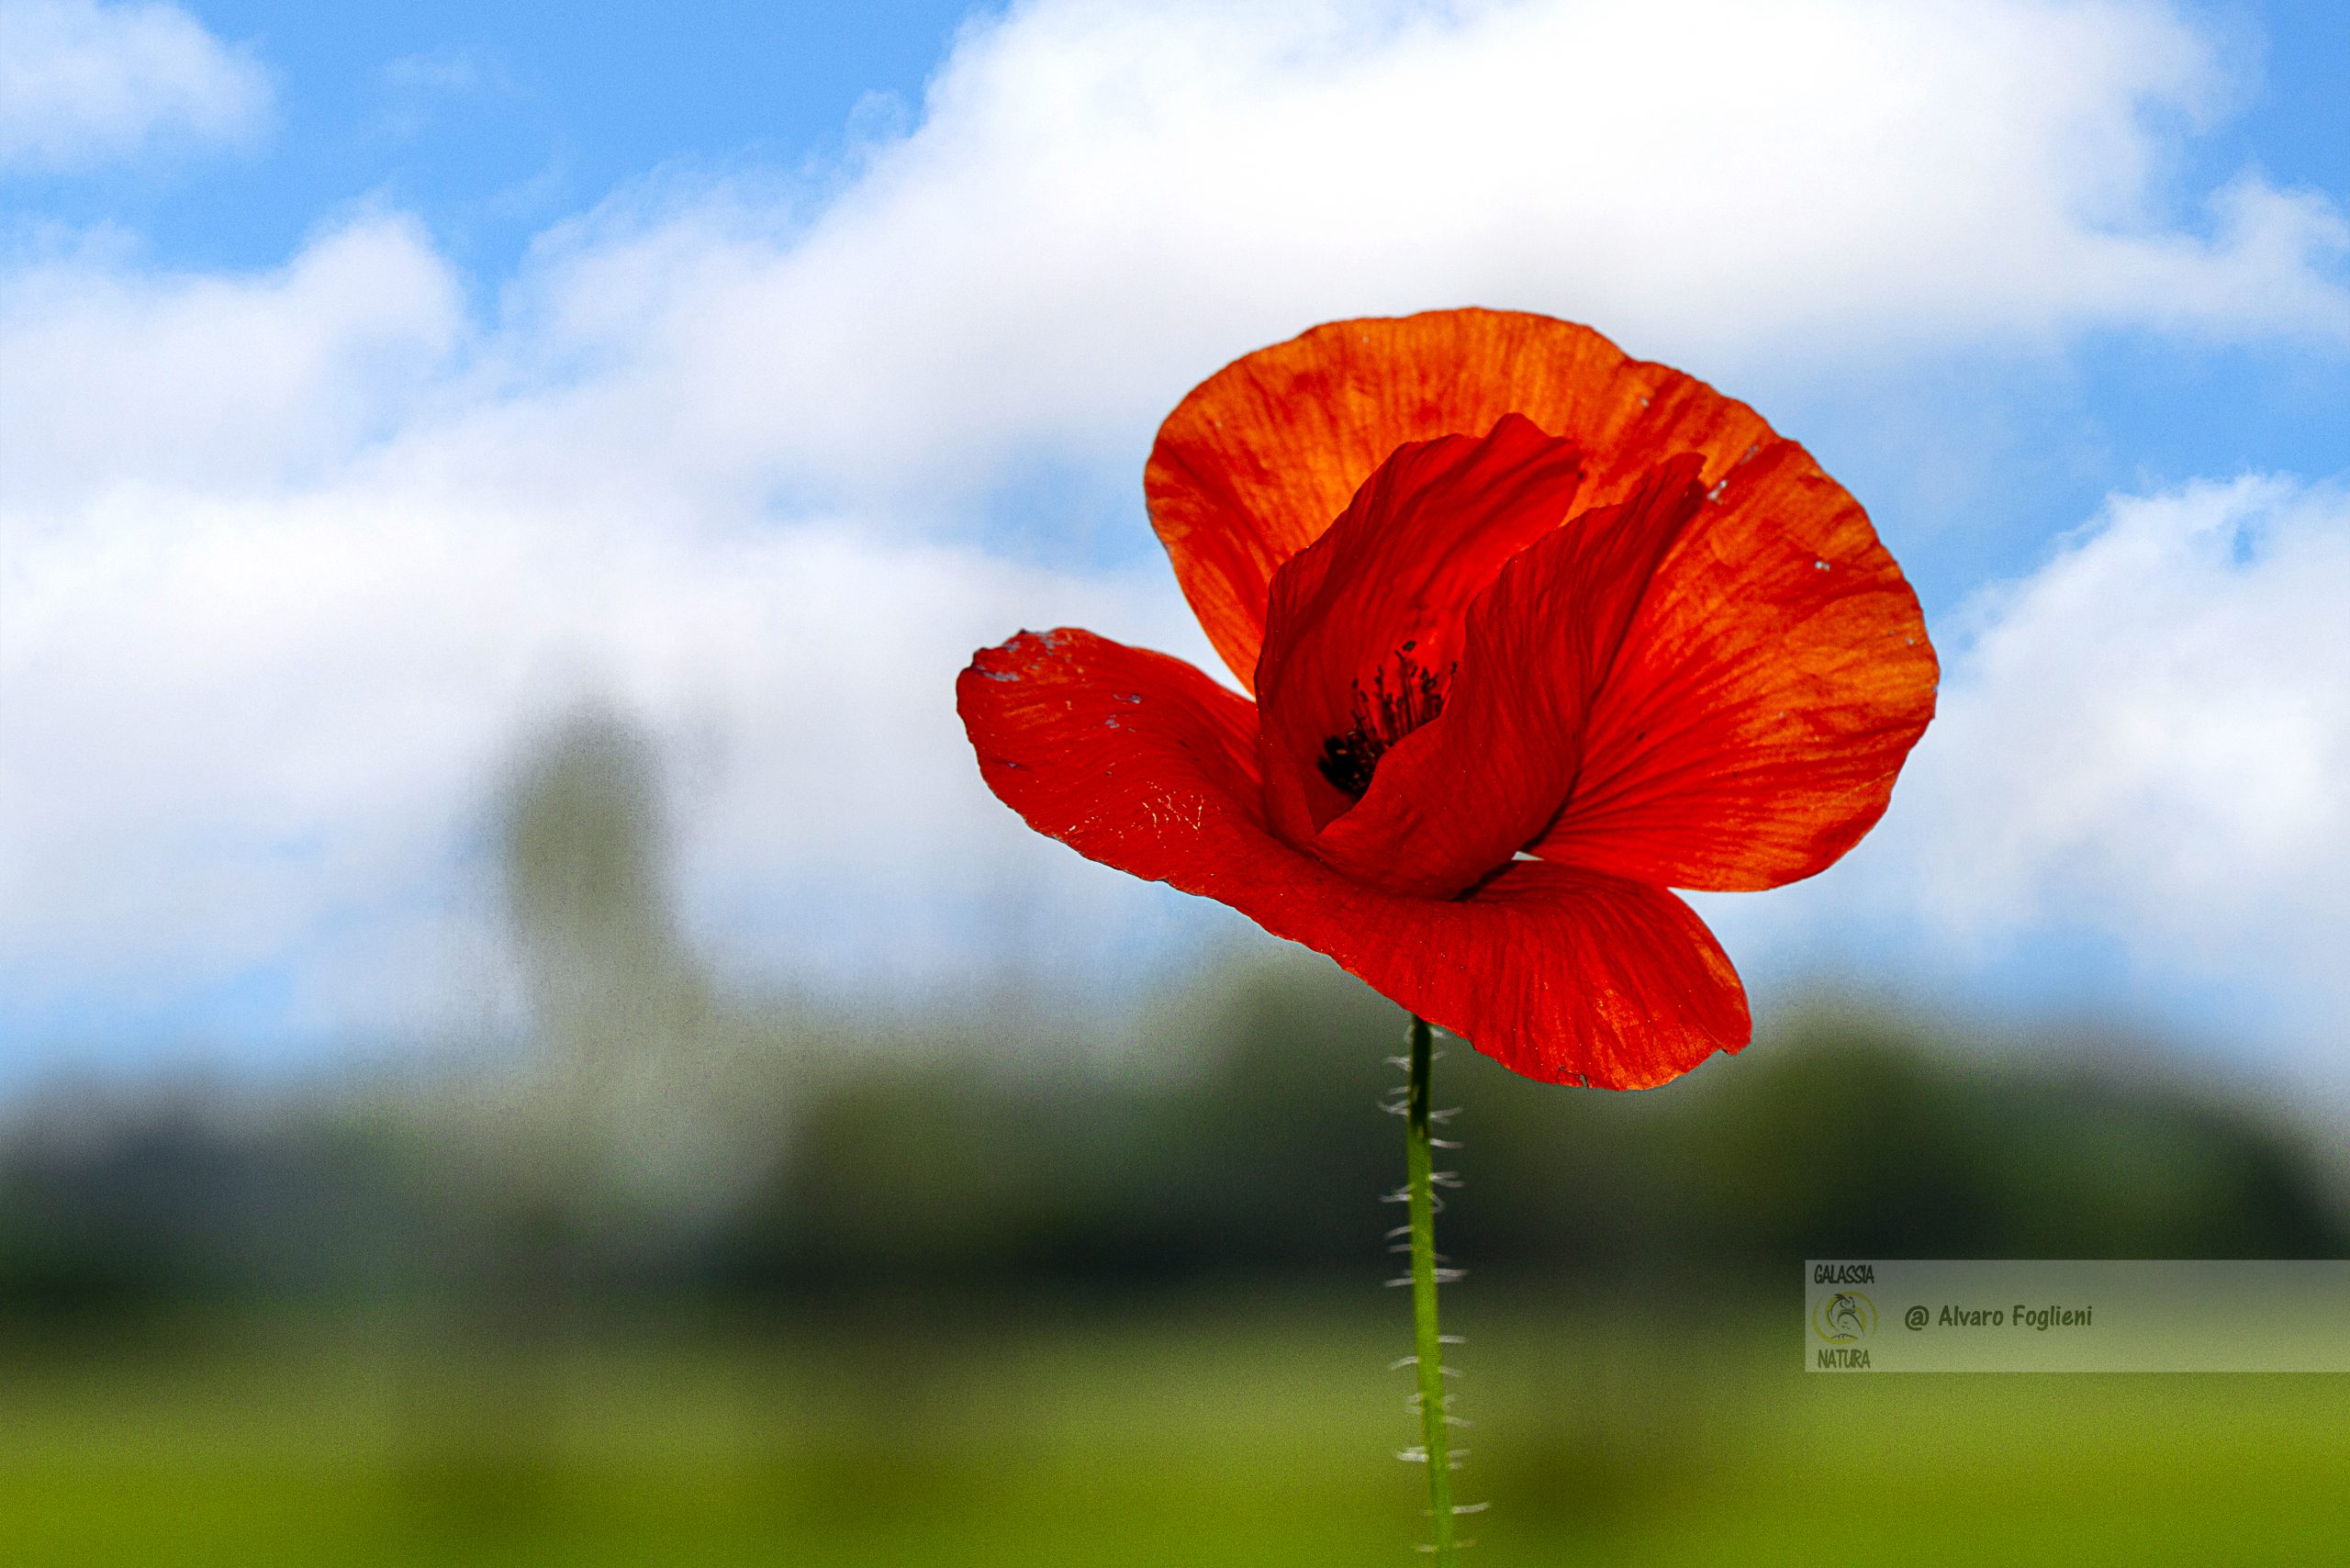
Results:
<point x="457" y="71"/>
<point x="292" y="562"/>
<point x="82" y="82"/>
<point x="110" y="374"/>
<point x="2150" y="735"/>
<point x="417" y="88"/>
<point x="1103" y="200"/>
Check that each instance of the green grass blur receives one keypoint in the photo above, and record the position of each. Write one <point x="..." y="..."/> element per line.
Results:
<point x="1181" y="1433"/>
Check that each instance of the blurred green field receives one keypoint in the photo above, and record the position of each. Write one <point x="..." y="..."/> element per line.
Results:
<point x="690" y="1277"/>
<point x="1160" y="1435"/>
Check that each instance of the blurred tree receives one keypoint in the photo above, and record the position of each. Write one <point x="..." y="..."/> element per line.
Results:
<point x="646" y="1118"/>
<point x="667" y="1141"/>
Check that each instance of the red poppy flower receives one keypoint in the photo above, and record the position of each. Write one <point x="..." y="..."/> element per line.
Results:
<point x="1535" y="631"/>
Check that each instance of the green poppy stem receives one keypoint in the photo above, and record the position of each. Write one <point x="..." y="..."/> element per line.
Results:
<point x="1428" y="1344"/>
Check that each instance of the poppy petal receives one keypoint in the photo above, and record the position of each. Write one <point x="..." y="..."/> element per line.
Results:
<point x="1463" y="793"/>
<point x="1775" y="675"/>
<point x="1254" y="463"/>
<point x="1360" y="618"/>
<point x="1142" y="762"/>
<point x="1129" y="756"/>
<point x="1601" y="980"/>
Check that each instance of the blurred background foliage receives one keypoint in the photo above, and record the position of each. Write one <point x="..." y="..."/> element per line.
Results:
<point x="695" y="1278"/>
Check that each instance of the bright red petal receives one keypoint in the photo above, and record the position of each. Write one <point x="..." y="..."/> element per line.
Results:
<point x="1775" y="675"/>
<point x="1142" y="762"/>
<point x="1386" y="591"/>
<point x="1462" y="794"/>
<point x="1129" y="756"/>
<point x="1254" y="465"/>
<point x="1597" y="980"/>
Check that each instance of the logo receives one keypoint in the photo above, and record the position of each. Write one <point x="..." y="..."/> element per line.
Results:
<point x="1845" y="1318"/>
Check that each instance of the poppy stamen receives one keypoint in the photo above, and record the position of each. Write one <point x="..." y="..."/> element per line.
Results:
<point x="1382" y="716"/>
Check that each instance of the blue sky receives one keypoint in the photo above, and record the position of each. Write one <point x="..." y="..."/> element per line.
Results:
<point x="493" y="122"/>
<point x="389" y="381"/>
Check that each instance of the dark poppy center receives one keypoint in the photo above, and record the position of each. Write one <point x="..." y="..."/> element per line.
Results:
<point x="1382" y="714"/>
